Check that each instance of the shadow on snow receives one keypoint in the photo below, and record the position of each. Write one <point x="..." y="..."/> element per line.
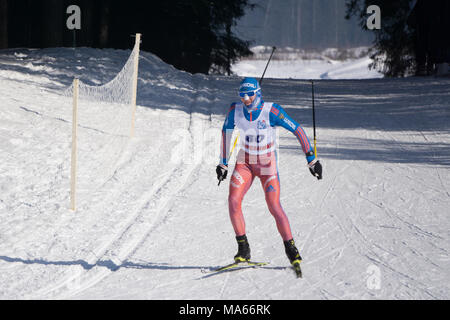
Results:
<point x="113" y="266"/>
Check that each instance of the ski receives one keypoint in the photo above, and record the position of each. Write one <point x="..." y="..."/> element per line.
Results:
<point x="251" y="264"/>
<point x="237" y="266"/>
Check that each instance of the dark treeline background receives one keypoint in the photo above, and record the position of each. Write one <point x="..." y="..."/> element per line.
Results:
<point x="414" y="37"/>
<point x="191" y="35"/>
<point x="302" y="24"/>
<point x="200" y="35"/>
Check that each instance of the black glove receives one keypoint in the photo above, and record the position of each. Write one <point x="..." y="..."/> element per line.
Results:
<point x="222" y="172"/>
<point x="316" y="169"/>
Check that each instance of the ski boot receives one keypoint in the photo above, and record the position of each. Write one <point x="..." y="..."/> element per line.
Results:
<point x="243" y="254"/>
<point x="294" y="256"/>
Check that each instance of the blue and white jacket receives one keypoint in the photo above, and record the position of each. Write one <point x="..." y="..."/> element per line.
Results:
<point x="278" y="118"/>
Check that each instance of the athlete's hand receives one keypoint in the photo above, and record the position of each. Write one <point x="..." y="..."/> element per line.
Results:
<point x="222" y="172"/>
<point x="315" y="168"/>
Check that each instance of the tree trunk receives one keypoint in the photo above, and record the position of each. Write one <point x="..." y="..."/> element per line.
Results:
<point x="104" y="24"/>
<point x="53" y="23"/>
<point x="299" y="24"/>
<point x="3" y="24"/>
<point x="314" y="30"/>
<point x="229" y="49"/>
<point x="336" y="21"/>
<point x="88" y="32"/>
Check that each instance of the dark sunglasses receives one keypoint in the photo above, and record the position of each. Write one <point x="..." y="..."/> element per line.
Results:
<point x="249" y="93"/>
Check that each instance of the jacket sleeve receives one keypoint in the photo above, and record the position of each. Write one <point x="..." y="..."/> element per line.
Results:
<point x="227" y="133"/>
<point x="279" y="117"/>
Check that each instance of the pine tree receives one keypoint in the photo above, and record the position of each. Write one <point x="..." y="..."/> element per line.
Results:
<point x="226" y="47"/>
<point x="393" y="52"/>
<point x="409" y="41"/>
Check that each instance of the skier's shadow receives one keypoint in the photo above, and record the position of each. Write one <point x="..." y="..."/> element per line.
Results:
<point x="112" y="266"/>
<point x="109" y="264"/>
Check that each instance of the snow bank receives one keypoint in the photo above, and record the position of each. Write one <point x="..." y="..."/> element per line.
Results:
<point x="290" y="63"/>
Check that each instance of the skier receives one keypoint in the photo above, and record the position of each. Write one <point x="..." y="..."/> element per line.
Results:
<point x="256" y="121"/>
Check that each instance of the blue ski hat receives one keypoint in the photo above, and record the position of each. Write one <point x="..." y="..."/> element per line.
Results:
<point x="249" y="84"/>
<point x="250" y="87"/>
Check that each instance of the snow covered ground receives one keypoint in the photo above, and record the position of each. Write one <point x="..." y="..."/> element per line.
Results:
<point x="288" y="63"/>
<point x="376" y="227"/>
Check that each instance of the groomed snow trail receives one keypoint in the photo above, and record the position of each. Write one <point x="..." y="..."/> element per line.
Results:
<point x="375" y="227"/>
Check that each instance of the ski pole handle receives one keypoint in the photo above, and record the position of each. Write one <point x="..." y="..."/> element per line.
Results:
<point x="315" y="147"/>
<point x="231" y="153"/>
<point x="234" y="146"/>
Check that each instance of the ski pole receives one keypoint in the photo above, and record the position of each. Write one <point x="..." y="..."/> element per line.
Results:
<point x="231" y="153"/>
<point x="270" y="58"/>
<point x="314" y="119"/>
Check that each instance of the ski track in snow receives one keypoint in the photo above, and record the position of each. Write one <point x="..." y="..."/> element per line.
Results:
<point x="154" y="204"/>
<point x="157" y="220"/>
